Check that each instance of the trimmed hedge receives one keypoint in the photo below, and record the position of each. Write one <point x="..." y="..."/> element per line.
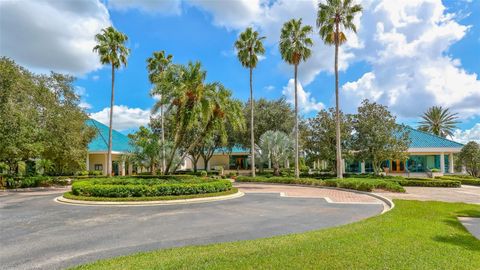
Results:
<point x="281" y="180"/>
<point x="350" y="183"/>
<point x="427" y="182"/>
<point x="464" y="179"/>
<point x="122" y="188"/>
<point x="36" y="181"/>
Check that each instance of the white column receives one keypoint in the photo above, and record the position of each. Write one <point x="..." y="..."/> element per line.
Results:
<point x="362" y="167"/>
<point x="442" y="163"/>
<point x="88" y="162"/>
<point x="464" y="169"/>
<point x="451" y="166"/>
<point x="343" y="165"/>
<point x="105" y="165"/>
<point x="130" y="169"/>
<point x="122" y="172"/>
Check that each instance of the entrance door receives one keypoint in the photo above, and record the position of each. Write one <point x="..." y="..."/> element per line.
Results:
<point x="397" y="166"/>
<point x="239" y="163"/>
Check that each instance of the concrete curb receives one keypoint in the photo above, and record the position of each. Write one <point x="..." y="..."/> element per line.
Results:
<point x="63" y="200"/>
<point x="387" y="203"/>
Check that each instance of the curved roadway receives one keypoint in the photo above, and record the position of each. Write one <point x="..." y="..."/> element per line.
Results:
<point x="38" y="233"/>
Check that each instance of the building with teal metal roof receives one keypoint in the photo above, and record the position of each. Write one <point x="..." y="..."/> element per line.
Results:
<point x="98" y="150"/>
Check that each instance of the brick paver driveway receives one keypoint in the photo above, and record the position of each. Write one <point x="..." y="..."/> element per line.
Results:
<point x="466" y="194"/>
<point x="39" y="233"/>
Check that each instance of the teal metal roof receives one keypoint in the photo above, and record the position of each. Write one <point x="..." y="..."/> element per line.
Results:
<point x="421" y="139"/>
<point x="120" y="142"/>
<point x="235" y="150"/>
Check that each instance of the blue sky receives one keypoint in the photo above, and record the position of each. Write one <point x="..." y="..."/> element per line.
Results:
<point x="408" y="56"/>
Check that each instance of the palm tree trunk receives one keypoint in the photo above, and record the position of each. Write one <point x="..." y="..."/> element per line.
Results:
<point x="297" y="172"/>
<point x="109" y="159"/>
<point x="252" y="138"/>
<point x="163" y="139"/>
<point x="337" y="110"/>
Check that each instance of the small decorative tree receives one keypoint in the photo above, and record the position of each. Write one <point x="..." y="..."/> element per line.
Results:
<point x="275" y="147"/>
<point x="469" y="157"/>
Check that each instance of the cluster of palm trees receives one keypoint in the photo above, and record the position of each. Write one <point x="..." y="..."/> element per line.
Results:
<point x="334" y="18"/>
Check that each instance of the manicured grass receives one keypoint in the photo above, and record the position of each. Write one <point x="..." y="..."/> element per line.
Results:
<point x="414" y="235"/>
<point x="69" y="195"/>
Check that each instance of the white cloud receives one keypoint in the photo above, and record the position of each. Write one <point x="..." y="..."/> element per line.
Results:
<point x="54" y="35"/>
<point x="95" y="77"/>
<point x="406" y="43"/>
<point x="85" y="105"/>
<point x="465" y="136"/>
<point x="306" y="103"/>
<point x="172" y="7"/>
<point x="269" y="88"/>
<point x="124" y="118"/>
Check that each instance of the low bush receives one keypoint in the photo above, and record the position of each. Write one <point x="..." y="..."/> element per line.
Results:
<point x="128" y="187"/>
<point x="281" y="180"/>
<point x="464" y="179"/>
<point x="203" y="173"/>
<point x="36" y="181"/>
<point x="426" y="182"/>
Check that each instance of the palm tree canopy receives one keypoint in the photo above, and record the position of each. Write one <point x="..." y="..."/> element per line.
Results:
<point x="295" y="42"/>
<point x="439" y="121"/>
<point x="156" y="64"/>
<point x="111" y="47"/>
<point x="249" y="45"/>
<point x="333" y="12"/>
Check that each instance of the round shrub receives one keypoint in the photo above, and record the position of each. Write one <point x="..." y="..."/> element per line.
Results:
<point x="121" y="188"/>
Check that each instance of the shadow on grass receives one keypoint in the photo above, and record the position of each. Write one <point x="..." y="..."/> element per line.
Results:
<point x="465" y="241"/>
<point x="469" y="213"/>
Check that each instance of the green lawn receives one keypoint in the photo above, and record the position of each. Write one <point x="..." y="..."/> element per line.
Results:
<point x="414" y="235"/>
<point x="69" y="195"/>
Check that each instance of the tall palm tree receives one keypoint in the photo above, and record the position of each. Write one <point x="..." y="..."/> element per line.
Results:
<point x="249" y="45"/>
<point x="155" y="66"/>
<point x="295" y="46"/>
<point x="333" y="18"/>
<point x="112" y="50"/>
<point x="439" y="121"/>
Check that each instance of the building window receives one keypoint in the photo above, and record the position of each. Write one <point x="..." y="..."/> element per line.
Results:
<point x="98" y="167"/>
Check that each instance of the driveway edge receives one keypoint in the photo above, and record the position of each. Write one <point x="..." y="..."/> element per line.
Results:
<point x="387" y="203"/>
<point x="63" y="200"/>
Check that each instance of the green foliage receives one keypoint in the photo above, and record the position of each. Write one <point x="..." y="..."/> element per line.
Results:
<point x="249" y="45"/>
<point x="439" y="121"/>
<point x="121" y="188"/>
<point x="378" y="137"/>
<point x="469" y="156"/>
<point x="295" y="42"/>
<point x="35" y="181"/>
<point x="41" y="118"/>
<point x="203" y="173"/>
<point x="280" y="180"/>
<point x="319" y="135"/>
<point x="425" y="182"/>
<point x="334" y="18"/>
<point x="146" y="147"/>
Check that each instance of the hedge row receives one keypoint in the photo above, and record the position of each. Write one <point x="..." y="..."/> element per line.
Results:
<point x="426" y="182"/>
<point x="365" y="184"/>
<point x="35" y="181"/>
<point x="464" y="179"/>
<point x="122" y="189"/>
<point x="281" y="180"/>
<point x="351" y="183"/>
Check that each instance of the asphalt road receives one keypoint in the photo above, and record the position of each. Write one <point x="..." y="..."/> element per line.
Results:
<point x="38" y="233"/>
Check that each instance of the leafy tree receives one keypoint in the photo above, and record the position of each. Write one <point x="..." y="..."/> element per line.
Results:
<point x="469" y="156"/>
<point x="439" y="121"/>
<point x="377" y="136"/>
<point x="155" y="66"/>
<point x="333" y="18"/>
<point x="40" y="118"/>
<point x="112" y="50"/>
<point x="146" y="147"/>
<point x="44" y="166"/>
<point x="249" y="45"/>
<point x="319" y="135"/>
<point x="275" y="147"/>
<point x="295" y="46"/>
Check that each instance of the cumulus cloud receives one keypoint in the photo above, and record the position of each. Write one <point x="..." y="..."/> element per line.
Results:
<point x="306" y="103"/>
<point x="406" y="43"/>
<point x="468" y="135"/>
<point x="54" y="35"/>
<point x="150" y="6"/>
<point x="124" y="118"/>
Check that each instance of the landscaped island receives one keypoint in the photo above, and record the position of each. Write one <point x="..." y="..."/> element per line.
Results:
<point x="149" y="189"/>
